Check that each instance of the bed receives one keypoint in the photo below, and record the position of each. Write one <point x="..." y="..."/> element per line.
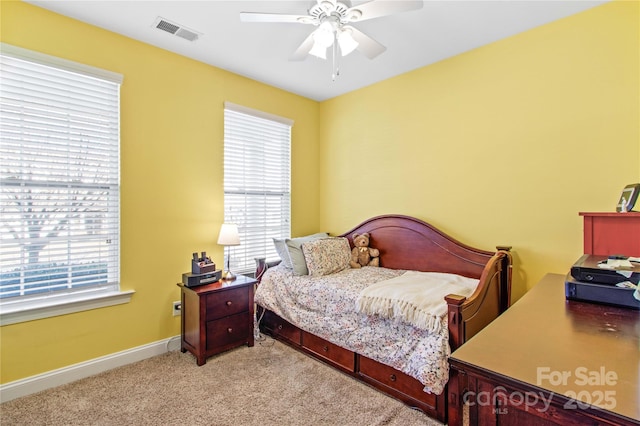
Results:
<point x="322" y="314"/>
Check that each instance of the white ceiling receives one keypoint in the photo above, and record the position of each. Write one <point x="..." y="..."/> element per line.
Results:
<point x="260" y="51"/>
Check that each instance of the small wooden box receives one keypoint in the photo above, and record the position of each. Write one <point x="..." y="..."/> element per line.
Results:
<point x="202" y="267"/>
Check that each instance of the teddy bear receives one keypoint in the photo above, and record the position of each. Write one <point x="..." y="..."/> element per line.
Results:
<point x="362" y="254"/>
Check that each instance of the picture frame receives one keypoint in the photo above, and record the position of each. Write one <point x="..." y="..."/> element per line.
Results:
<point x="628" y="198"/>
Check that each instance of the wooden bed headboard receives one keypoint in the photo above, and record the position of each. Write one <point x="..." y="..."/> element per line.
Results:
<point x="409" y="243"/>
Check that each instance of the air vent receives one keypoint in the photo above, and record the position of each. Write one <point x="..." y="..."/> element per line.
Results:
<point x="176" y="29"/>
<point x="187" y="34"/>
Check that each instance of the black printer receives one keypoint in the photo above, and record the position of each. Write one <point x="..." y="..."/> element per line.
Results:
<point x="592" y="268"/>
<point x="601" y="279"/>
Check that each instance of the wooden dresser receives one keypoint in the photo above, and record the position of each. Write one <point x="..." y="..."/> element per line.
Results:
<point x="549" y="361"/>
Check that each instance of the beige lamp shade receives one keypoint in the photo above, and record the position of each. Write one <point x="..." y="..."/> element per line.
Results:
<point x="229" y="235"/>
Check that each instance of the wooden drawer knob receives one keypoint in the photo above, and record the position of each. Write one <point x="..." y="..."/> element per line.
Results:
<point x="229" y="330"/>
<point x="325" y="348"/>
<point x="279" y="326"/>
<point x="229" y="303"/>
<point x="392" y="377"/>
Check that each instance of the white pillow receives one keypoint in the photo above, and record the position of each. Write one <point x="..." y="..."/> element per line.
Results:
<point x="291" y="254"/>
<point x="281" y="249"/>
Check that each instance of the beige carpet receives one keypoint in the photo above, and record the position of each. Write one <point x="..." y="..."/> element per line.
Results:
<point x="269" y="384"/>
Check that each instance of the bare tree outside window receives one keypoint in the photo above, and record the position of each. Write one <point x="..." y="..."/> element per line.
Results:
<point x="59" y="180"/>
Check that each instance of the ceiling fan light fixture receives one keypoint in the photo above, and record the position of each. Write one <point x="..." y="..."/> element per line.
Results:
<point x="318" y="51"/>
<point x="346" y="41"/>
<point x="324" y="35"/>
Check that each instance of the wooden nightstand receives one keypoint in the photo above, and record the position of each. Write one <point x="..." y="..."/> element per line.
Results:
<point x="217" y="317"/>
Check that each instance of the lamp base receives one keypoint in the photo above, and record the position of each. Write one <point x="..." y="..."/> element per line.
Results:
<point x="228" y="276"/>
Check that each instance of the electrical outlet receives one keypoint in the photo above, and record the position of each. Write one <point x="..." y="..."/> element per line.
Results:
<point x="176" y="308"/>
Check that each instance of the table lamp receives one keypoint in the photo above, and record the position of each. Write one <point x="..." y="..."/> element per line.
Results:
<point x="228" y="237"/>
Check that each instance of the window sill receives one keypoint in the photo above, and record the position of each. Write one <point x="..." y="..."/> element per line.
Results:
<point x="17" y="314"/>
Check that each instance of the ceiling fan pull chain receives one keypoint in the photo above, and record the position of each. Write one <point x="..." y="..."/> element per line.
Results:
<point x="334" y="54"/>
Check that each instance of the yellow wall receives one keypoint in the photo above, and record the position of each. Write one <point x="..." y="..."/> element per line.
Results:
<point x="504" y="144"/>
<point x="171" y="173"/>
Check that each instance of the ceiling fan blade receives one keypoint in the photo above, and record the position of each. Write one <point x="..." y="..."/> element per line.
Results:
<point x="274" y="17"/>
<point x="368" y="46"/>
<point x="303" y="50"/>
<point x="378" y="8"/>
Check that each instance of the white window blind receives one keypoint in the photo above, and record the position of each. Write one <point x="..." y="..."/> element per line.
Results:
<point x="257" y="187"/>
<point x="59" y="178"/>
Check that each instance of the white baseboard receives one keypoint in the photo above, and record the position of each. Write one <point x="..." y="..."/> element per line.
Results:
<point x="61" y="376"/>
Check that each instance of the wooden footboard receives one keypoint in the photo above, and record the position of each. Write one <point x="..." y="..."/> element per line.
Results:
<point x="409" y="243"/>
<point x="469" y="315"/>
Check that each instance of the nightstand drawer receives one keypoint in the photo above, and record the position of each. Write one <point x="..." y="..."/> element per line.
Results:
<point x="229" y="330"/>
<point x="227" y="302"/>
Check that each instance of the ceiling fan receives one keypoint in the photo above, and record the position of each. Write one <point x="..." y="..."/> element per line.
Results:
<point x="332" y="19"/>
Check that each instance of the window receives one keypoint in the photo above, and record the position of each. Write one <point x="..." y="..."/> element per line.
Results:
<point x="257" y="187"/>
<point x="59" y="181"/>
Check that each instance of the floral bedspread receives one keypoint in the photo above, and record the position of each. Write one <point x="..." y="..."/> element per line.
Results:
<point x="326" y="307"/>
